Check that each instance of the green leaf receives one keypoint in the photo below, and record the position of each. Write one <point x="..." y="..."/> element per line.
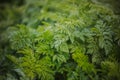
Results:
<point x="64" y="47"/>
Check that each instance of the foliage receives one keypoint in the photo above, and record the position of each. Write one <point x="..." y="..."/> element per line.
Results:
<point x="67" y="39"/>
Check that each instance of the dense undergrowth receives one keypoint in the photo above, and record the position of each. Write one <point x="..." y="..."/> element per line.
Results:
<point x="59" y="40"/>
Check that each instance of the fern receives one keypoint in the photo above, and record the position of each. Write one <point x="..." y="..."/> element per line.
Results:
<point x="113" y="69"/>
<point x="33" y="66"/>
<point x="21" y="38"/>
<point x="67" y="39"/>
